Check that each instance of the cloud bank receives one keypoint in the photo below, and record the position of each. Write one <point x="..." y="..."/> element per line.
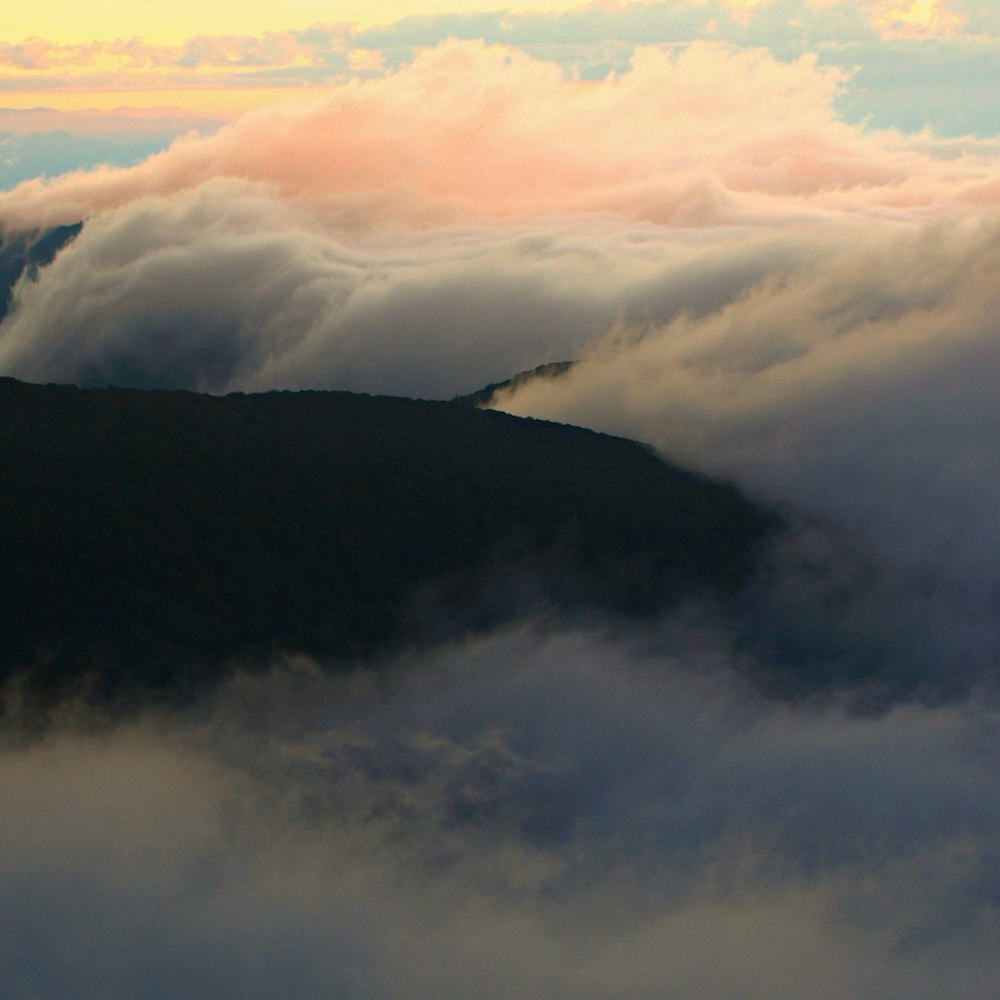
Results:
<point x="554" y="812"/>
<point x="470" y="132"/>
<point x="857" y="386"/>
<point x="341" y="244"/>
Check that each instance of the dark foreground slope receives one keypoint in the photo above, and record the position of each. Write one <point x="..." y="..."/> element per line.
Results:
<point x="150" y="538"/>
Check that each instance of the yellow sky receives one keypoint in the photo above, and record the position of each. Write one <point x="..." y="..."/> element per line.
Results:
<point x="174" y="20"/>
<point x="170" y="22"/>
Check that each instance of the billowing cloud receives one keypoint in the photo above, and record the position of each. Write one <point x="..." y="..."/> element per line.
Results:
<point x="472" y="131"/>
<point x="356" y="242"/>
<point x="487" y="154"/>
<point x="546" y="812"/>
<point x="857" y="385"/>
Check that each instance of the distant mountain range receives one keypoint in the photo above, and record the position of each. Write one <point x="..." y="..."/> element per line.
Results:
<point x="150" y="539"/>
<point x="25" y="157"/>
<point x="43" y="142"/>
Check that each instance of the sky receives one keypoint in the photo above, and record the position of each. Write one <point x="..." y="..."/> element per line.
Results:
<point x="75" y="21"/>
<point x="769" y="234"/>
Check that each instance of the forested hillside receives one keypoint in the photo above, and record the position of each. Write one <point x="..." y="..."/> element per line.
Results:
<point x="152" y="538"/>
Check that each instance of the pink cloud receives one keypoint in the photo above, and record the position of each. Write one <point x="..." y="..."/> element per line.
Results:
<point x="473" y="132"/>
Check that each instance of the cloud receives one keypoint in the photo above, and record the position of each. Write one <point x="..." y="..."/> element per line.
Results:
<point x="488" y="155"/>
<point x="136" y="55"/>
<point x="752" y="285"/>
<point x="854" y="385"/>
<point x="472" y="215"/>
<point x="224" y="288"/>
<point x="472" y="131"/>
<point x="318" y="55"/>
<point x="543" y="811"/>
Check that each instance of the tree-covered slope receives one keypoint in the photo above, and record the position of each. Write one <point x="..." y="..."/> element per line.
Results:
<point x="154" y="537"/>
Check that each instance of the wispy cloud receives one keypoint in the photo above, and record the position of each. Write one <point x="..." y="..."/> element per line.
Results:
<point x="317" y="54"/>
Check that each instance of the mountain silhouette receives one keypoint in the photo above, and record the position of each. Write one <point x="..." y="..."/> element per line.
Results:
<point x="151" y="538"/>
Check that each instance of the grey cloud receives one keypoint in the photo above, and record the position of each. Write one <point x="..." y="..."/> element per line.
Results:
<point x="847" y="373"/>
<point x="223" y="288"/>
<point x="542" y="810"/>
<point x="557" y="811"/>
<point x="858" y="387"/>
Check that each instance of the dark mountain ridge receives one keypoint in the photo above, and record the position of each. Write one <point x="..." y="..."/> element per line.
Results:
<point x="150" y="538"/>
